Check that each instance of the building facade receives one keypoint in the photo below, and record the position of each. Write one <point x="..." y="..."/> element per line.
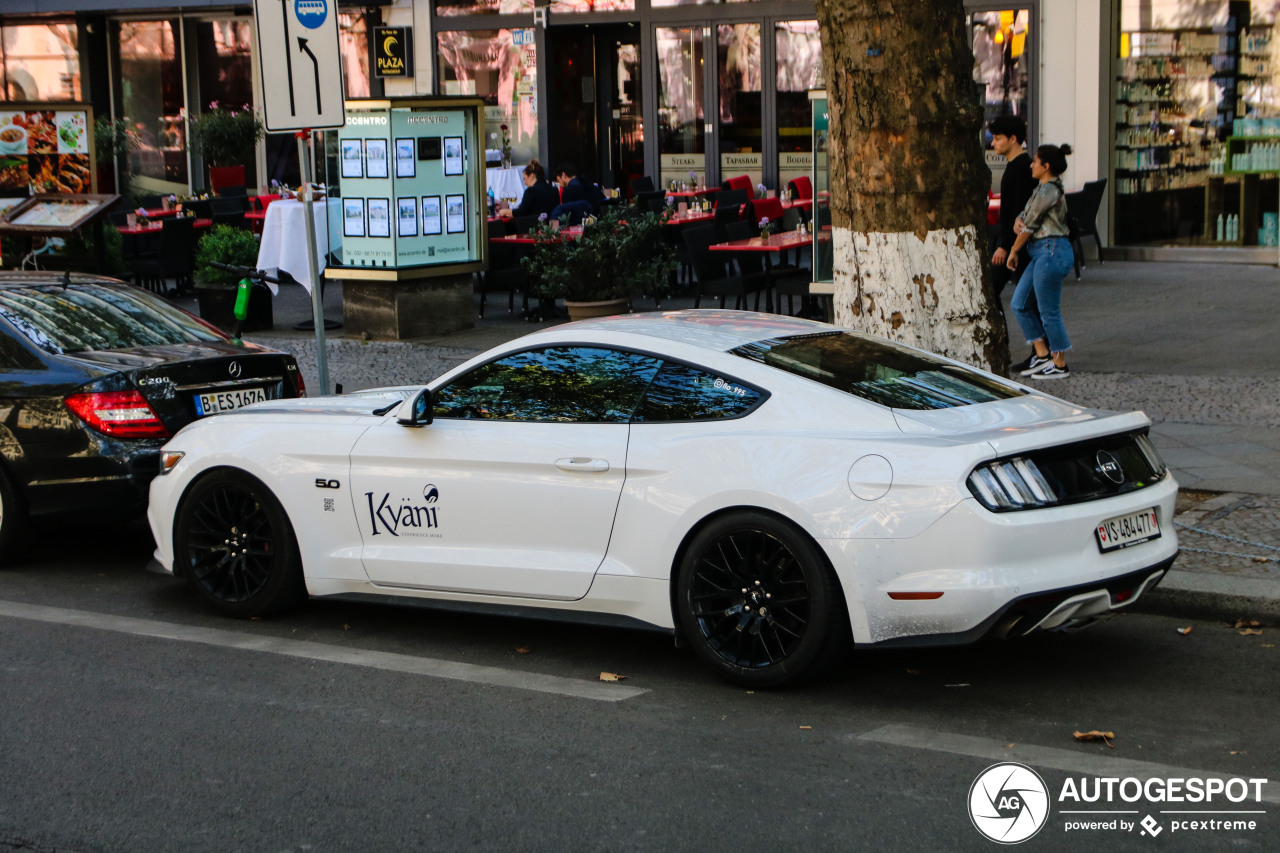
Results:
<point x="1169" y="101"/>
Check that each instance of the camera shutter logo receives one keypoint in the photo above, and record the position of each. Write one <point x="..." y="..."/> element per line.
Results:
<point x="1109" y="467"/>
<point x="1008" y="803"/>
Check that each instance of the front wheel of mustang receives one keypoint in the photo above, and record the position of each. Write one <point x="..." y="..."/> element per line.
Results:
<point x="234" y="544"/>
<point x="759" y="602"/>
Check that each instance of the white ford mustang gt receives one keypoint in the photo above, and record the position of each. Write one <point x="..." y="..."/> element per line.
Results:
<point x="769" y="489"/>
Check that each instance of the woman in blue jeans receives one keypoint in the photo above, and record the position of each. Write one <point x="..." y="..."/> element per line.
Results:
<point x="1037" y="300"/>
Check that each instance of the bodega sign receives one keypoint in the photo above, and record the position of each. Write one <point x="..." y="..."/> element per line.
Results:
<point x="393" y="51"/>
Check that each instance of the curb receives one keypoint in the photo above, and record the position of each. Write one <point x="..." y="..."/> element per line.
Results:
<point x="1211" y="595"/>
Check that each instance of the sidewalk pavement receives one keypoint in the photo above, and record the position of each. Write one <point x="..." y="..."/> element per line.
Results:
<point x="1189" y="344"/>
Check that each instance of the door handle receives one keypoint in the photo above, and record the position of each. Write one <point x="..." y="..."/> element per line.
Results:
<point x="582" y="465"/>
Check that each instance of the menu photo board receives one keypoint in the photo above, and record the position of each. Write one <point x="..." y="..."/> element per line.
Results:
<point x="46" y="148"/>
<point x="409" y="179"/>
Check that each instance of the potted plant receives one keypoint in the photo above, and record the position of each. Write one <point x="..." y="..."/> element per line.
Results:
<point x="618" y="256"/>
<point x="225" y="137"/>
<point x="216" y="289"/>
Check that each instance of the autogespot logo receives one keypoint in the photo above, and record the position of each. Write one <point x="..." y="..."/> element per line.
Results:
<point x="1008" y="803"/>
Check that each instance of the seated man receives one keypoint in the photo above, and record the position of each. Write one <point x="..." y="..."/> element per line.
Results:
<point x="574" y="188"/>
<point x="571" y="212"/>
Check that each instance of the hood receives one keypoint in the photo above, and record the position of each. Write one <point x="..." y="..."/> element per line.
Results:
<point x="358" y="403"/>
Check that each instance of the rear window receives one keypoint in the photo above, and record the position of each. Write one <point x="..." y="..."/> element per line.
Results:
<point x="878" y="370"/>
<point x="85" y="317"/>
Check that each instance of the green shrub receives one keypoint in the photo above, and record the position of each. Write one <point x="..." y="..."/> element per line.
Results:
<point x="225" y="244"/>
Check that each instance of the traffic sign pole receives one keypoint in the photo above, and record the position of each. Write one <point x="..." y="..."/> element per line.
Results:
<point x="317" y="298"/>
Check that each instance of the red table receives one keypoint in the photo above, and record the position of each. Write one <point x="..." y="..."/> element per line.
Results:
<point x="689" y="218"/>
<point x="772" y="245"/>
<point x="692" y="193"/>
<point x="154" y="228"/>
<point x="572" y="233"/>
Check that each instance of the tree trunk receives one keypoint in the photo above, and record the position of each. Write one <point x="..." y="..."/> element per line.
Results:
<point x="908" y="178"/>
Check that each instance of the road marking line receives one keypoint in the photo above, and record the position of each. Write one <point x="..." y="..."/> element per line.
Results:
<point x="1045" y="756"/>
<point x="389" y="661"/>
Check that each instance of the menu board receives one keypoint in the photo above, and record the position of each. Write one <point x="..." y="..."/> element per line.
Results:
<point x="53" y="214"/>
<point x="405" y="174"/>
<point x="45" y="151"/>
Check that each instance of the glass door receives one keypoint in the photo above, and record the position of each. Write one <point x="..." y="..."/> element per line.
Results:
<point x="625" y="123"/>
<point x="740" y="138"/>
<point x="682" y="118"/>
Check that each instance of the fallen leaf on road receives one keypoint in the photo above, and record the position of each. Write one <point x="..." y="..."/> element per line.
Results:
<point x="346" y="627"/>
<point x="523" y="650"/>
<point x="1268" y="645"/>
<point x="962" y="684"/>
<point x="255" y="618"/>
<point x="1185" y="631"/>
<point x="1105" y="737"/>
<point x="1238" y="752"/>
<point x="912" y="671"/>
<point x="1008" y="746"/>
<point x="611" y="676"/>
<point x="1247" y="623"/>
<point x="1250" y="632"/>
<point x="806" y="728"/>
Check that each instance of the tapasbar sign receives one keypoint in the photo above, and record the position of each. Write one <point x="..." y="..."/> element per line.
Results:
<point x="393" y="51"/>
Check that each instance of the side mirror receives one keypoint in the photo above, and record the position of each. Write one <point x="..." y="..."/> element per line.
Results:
<point x="416" y="412"/>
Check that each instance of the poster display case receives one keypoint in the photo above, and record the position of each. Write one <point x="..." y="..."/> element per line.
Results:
<point x="407" y="175"/>
<point x="46" y="148"/>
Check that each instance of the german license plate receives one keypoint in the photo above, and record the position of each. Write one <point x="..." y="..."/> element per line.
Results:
<point x="227" y="401"/>
<point x="1126" y="530"/>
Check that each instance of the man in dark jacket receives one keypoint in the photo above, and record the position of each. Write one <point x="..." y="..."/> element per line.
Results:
<point x="1008" y="136"/>
<point x="574" y="188"/>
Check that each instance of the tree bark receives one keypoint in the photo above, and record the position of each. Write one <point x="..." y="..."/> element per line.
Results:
<point x="908" y="178"/>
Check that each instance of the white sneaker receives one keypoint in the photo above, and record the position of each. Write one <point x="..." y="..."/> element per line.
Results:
<point x="1051" y="371"/>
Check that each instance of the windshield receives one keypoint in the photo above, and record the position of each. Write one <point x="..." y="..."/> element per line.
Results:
<point x="878" y="370"/>
<point x="85" y="317"/>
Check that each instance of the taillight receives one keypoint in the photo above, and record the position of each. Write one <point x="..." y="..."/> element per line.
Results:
<point x="123" y="414"/>
<point x="302" y="385"/>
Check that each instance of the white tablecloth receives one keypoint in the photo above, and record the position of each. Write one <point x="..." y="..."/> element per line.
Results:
<point x="284" y="239"/>
<point x="506" y="183"/>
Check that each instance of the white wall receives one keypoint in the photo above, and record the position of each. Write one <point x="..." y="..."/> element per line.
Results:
<point x="1073" y="65"/>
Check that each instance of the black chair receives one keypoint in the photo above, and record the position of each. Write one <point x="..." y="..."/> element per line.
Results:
<point x="1082" y="207"/>
<point x="203" y="208"/>
<point x="175" y="260"/>
<point x="151" y="202"/>
<point x="238" y="193"/>
<point x="225" y="205"/>
<point x="505" y="271"/>
<point x="731" y="198"/>
<point x="234" y="218"/>
<point x="655" y="205"/>
<point x="522" y="224"/>
<point x="642" y="184"/>
<point x="709" y="270"/>
<point x="643" y="197"/>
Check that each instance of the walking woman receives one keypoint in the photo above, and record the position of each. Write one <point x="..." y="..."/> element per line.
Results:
<point x="1037" y="300"/>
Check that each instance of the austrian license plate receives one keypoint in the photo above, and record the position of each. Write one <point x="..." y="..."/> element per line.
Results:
<point x="227" y="401"/>
<point x="1125" y="530"/>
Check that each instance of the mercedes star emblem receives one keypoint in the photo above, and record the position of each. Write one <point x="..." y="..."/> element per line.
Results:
<point x="234" y="368"/>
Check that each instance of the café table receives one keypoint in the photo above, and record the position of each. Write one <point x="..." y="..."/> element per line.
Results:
<point x="284" y="239"/>
<point x="691" y="217"/>
<point x="772" y="245"/>
<point x="571" y="233"/>
<point x="135" y="233"/>
<point x="694" y="193"/>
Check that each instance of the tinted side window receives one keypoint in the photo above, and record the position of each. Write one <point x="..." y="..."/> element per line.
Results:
<point x="559" y="384"/>
<point x="683" y="393"/>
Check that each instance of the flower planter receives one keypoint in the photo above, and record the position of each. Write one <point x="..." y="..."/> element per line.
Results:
<point x="587" y="310"/>
<point x="217" y="306"/>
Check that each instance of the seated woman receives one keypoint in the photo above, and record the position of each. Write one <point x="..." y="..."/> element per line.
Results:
<point x="539" y="195"/>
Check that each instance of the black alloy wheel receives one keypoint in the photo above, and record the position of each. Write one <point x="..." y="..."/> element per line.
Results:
<point x="759" y="602"/>
<point x="236" y="547"/>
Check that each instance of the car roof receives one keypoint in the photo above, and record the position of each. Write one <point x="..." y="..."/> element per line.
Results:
<point x="709" y="328"/>
<point x="27" y="278"/>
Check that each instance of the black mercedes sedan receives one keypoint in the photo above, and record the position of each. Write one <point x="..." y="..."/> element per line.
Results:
<point x="96" y="375"/>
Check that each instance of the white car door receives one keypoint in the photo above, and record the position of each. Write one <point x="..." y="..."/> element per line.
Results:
<point x="512" y="490"/>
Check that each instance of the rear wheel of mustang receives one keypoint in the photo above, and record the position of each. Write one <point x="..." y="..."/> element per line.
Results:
<point x="236" y="547"/>
<point x="759" y="602"/>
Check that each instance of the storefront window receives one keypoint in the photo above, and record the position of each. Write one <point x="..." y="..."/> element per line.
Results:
<point x="453" y="8"/>
<point x="1197" y="124"/>
<point x="1001" y="62"/>
<point x="799" y="50"/>
<point x="738" y="55"/>
<point x="39" y="62"/>
<point x="681" y="143"/>
<point x="500" y="66"/>
<point x="151" y="88"/>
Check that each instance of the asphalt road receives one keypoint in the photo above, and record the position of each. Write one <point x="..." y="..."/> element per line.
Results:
<point x="132" y="720"/>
